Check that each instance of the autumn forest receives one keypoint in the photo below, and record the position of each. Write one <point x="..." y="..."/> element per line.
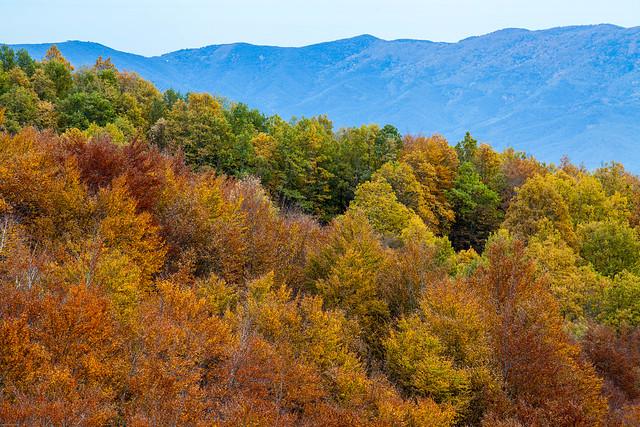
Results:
<point x="181" y="259"/>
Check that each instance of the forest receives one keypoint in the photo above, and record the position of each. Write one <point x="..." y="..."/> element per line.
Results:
<point x="173" y="259"/>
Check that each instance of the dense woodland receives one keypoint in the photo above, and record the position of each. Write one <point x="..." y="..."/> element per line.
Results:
<point x="170" y="259"/>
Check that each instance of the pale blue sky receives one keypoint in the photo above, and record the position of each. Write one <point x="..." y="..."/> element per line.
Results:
<point x="152" y="27"/>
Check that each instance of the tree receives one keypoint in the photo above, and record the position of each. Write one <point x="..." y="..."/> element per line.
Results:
<point x="616" y="355"/>
<point x="200" y="128"/>
<point x="407" y="189"/>
<point x="453" y="312"/>
<point x="434" y="164"/>
<point x="26" y="62"/>
<point x="547" y="382"/>
<point x="299" y="163"/>
<point x="81" y="109"/>
<point x="609" y="246"/>
<point x="577" y="287"/>
<point x="415" y="360"/>
<point x="79" y="352"/>
<point x="387" y="146"/>
<point x="538" y="206"/>
<point x="620" y="305"/>
<point x="476" y="207"/>
<point x="202" y="230"/>
<point x="378" y="202"/>
<point x="421" y="260"/>
<point x="489" y="166"/>
<point x="467" y="148"/>
<point x="359" y="151"/>
<point x="126" y="251"/>
<point x="517" y="168"/>
<point x="20" y="106"/>
<point x="58" y="69"/>
<point x="7" y="57"/>
<point x="43" y="86"/>
<point x="44" y="193"/>
<point x="176" y="354"/>
<point x="619" y="183"/>
<point x="587" y="201"/>
<point x="345" y="273"/>
<point x="486" y="162"/>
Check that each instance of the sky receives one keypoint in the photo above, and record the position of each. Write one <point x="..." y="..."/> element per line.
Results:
<point x="153" y="27"/>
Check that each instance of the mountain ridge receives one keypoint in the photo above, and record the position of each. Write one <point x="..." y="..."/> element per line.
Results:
<point x="502" y="30"/>
<point x="548" y="92"/>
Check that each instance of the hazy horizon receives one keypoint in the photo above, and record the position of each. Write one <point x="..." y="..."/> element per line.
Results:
<point x="151" y="28"/>
<point x="162" y="52"/>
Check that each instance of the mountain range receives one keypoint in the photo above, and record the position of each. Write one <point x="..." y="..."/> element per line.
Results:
<point x="569" y="90"/>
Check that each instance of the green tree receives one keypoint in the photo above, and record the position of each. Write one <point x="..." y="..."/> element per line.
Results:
<point x="43" y="86"/>
<point x="477" y="209"/>
<point x="200" y="128"/>
<point x="7" y="57"/>
<point x="21" y="108"/>
<point x="609" y="246"/>
<point x="352" y="157"/>
<point x="467" y="148"/>
<point x="485" y="160"/>
<point x="387" y="146"/>
<point x="300" y="161"/>
<point x="81" y="109"/>
<point x="620" y="306"/>
<point x="58" y="69"/>
<point x="26" y="62"/>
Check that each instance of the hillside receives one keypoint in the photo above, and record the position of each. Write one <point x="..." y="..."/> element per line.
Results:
<point x="571" y="90"/>
<point x="171" y="259"/>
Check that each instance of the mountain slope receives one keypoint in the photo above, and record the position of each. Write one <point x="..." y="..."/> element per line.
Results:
<point x="564" y="90"/>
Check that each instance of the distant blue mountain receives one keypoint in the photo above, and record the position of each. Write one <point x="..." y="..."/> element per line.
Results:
<point x="570" y="90"/>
